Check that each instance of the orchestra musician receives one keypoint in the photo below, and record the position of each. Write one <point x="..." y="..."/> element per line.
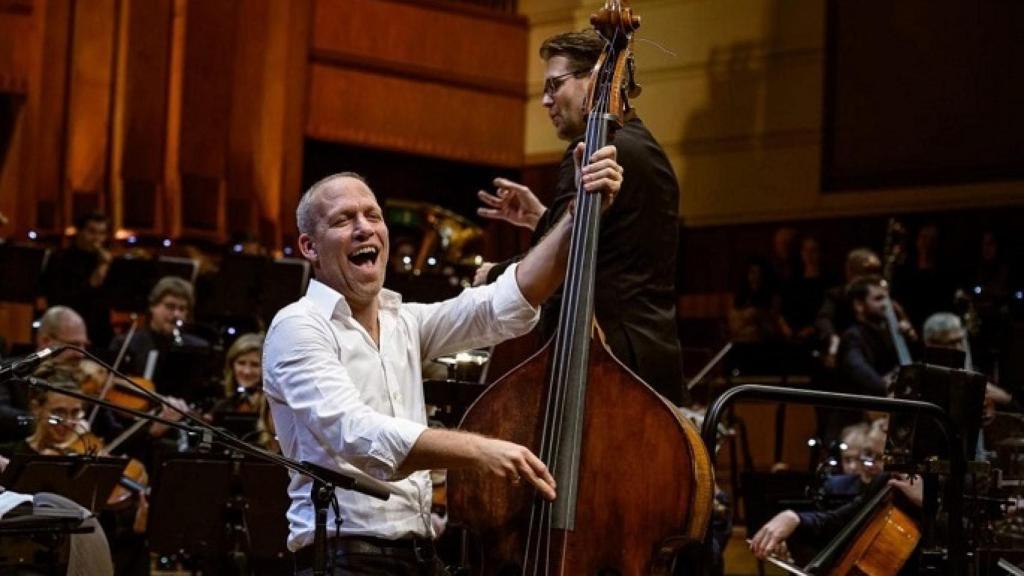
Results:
<point x="944" y="330"/>
<point x="56" y="419"/>
<point x="836" y="312"/>
<point x="58" y="326"/>
<point x="243" y="387"/>
<point x="867" y="354"/>
<point x="817" y="527"/>
<point x="170" y="303"/>
<point x="636" y="259"/>
<point x="76" y="276"/>
<point x="342" y="373"/>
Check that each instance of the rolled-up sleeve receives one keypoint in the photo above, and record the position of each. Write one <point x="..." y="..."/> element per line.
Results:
<point x="302" y="370"/>
<point x="478" y="317"/>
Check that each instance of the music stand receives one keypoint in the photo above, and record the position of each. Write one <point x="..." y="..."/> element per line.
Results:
<point x="184" y="372"/>
<point x="185" y="268"/>
<point x="88" y="480"/>
<point x="286" y="282"/>
<point x="129" y="281"/>
<point x="959" y="393"/>
<point x="183" y="513"/>
<point x="265" y="492"/>
<point x="201" y="497"/>
<point x="23" y="266"/>
<point x="240" y="424"/>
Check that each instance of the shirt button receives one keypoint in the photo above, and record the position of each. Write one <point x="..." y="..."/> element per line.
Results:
<point x="396" y="396"/>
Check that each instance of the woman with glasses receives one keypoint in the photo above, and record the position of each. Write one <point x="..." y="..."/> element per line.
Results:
<point x="56" y="416"/>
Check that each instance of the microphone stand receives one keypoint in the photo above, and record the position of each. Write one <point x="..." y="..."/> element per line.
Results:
<point x="325" y="480"/>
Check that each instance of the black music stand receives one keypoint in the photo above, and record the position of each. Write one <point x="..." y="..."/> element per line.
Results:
<point x="88" y="480"/>
<point x="264" y="490"/>
<point x="216" y="507"/>
<point x="185" y="372"/>
<point x="959" y="393"/>
<point x="129" y="282"/>
<point x="23" y="266"/>
<point x="187" y="507"/>
<point x="239" y="424"/>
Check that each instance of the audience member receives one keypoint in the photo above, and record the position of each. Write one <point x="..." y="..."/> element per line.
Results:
<point x="756" y="312"/>
<point x="804" y="295"/>
<point x="926" y="286"/>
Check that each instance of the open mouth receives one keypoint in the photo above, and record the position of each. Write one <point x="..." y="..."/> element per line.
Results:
<point x="365" y="256"/>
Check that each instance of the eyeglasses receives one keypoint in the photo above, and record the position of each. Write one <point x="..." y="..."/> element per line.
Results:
<point x="554" y="84"/>
<point x="66" y="415"/>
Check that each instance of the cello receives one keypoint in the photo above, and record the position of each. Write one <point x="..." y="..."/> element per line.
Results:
<point x="634" y="479"/>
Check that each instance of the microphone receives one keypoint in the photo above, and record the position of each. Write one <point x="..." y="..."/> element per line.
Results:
<point x="26" y="365"/>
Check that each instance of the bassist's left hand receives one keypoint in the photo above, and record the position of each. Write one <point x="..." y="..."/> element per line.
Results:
<point x="602" y="174"/>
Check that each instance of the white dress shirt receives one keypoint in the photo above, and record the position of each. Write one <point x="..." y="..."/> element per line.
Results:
<point x="341" y="402"/>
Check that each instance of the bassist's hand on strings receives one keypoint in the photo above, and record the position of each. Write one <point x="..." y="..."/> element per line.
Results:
<point x="602" y="174"/>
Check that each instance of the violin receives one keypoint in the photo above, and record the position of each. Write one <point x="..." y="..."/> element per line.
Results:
<point x="134" y="479"/>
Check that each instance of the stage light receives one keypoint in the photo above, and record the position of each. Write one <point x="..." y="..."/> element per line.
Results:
<point x="32" y="235"/>
<point x="166" y="242"/>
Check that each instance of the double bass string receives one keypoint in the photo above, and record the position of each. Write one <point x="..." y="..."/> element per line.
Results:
<point x="558" y="391"/>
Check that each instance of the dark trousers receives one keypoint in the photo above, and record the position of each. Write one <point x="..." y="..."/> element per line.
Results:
<point x="373" y="557"/>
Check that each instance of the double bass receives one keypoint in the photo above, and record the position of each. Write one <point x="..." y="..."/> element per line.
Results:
<point x="634" y="479"/>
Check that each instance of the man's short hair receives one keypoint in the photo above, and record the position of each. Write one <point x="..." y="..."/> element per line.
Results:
<point x="89" y="217"/>
<point x="305" y="218"/>
<point x="171" y="286"/>
<point x="582" y="49"/>
<point x="941" y="324"/>
<point x="858" y="289"/>
<point x="54" y="318"/>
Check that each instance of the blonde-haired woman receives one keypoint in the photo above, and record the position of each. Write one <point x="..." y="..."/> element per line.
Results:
<point x="243" y="386"/>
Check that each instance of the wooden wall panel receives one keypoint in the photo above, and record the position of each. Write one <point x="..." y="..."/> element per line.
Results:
<point x="206" y="112"/>
<point x="47" y="102"/>
<point x="246" y="111"/>
<point x="141" y="113"/>
<point x="372" y="109"/>
<point x="480" y="49"/>
<point x="90" y="93"/>
<point x="16" y="32"/>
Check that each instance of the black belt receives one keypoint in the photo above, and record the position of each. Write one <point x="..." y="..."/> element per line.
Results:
<point x="419" y="549"/>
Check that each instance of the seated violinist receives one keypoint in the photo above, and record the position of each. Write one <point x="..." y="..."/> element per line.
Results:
<point x="56" y="417"/>
<point x="61" y="429"/>
<point x="243" y="388"/>
<point x="170" y="302"/>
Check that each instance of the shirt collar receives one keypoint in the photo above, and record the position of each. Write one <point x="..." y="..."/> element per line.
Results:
<point x="328" y="301"/>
